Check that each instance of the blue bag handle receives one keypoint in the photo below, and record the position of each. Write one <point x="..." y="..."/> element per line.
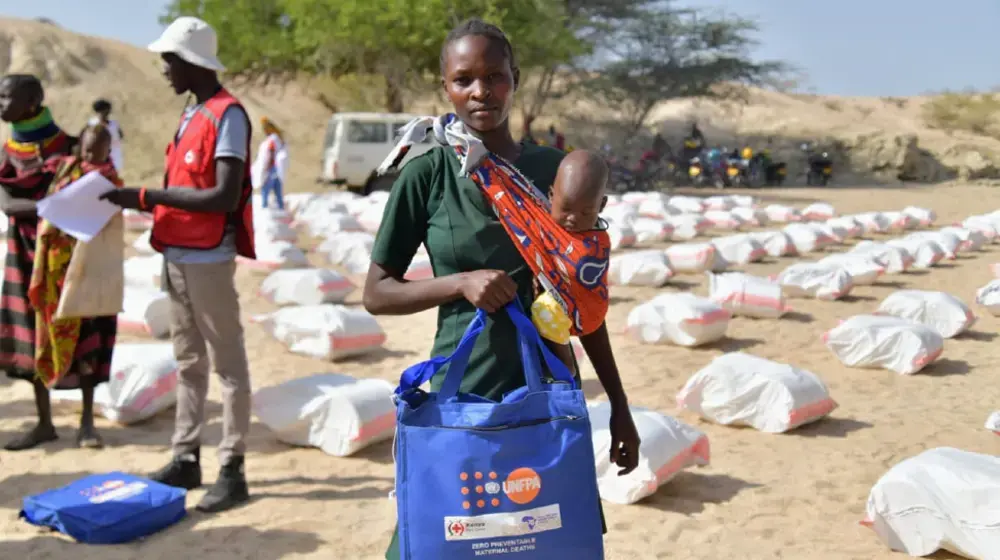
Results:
<point x="529" y="342"/>
<point x="418" y="374"/>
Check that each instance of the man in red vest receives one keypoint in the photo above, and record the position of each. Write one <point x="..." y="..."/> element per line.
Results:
<point x="203" y="219"/>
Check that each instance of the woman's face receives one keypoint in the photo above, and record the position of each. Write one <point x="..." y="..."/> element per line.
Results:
<point x="16" y="103"/>
<point x="479" y="82"/>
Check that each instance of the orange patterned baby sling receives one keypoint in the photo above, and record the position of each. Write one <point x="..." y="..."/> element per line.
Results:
<point x="572" y="267"/>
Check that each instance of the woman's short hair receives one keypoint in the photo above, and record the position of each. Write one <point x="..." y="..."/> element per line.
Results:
<point x="102" y="106"/>
<point x="29" y="83"/>
<point x="476" y="27"/>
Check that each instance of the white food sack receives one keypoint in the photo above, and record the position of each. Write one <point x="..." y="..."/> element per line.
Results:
<point x="335" y="223"/>
<point x="738" y="389"/>
<point x="305" y="286"/>
<point x="815" y="280"/>
<point x="873" y="222"/>
<point x="942" y="499"/>
<point x="350" y="250"/>
<point x="747" y="295"/>
<point x="135" y="220"/>
<point x="776" y="243"/>
<point x="942" y="312"/>
<point x="723" y="219"/>
<point x="924" y="217"/>
<point x="688" y="226"/>
<point x="742" y="200"/>
<point x="876" y="341"/>
<point x="806" y="238"/>
<point x="782" y="214"/>
<point x="649" y="230"/>
<point x="993" y="423"/>
<point x="274" y="255"/>
<point x="621" y="214"/>
<point x="924" y="252"/>
<point x="989" y="297"/>
<point x="682" y="319"/>
<point x="863" y="269"/>
<point x="736" y="250"/>
<point x="691" y="258"/>
<point x="752" y="216"/>
<point x="420" y="267"/>
<point x="142" y="383"/>
<point x="686" y="204"/>
<point x="621" y="236"/>
<point x="719" y="202"/>
<point x="144" y="272"/>
<point x="142" y="244"/>
<point x="326" y="332"/>
<point x="371" y="217"/>
<point x="846" y="227"/>
<point x="338" y="414"/>
<point x="898" y="221"/>
<point x="948" y="242"/>
<point x="145" y="311"/>
<point x="985" y="225"/>
<point x="641" y="268"/>
<point x="894" y="259"/>
<point x="668" y="447"/>
<point x="655" y="207"/>
<point x="819" y="211"/>
<point x="971" y="240"/>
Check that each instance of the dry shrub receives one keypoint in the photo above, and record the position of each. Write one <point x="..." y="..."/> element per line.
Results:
<point x="977" y="113"/>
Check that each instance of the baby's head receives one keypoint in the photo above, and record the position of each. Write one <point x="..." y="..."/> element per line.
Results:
<point x="578" y="193"/>
<point x="95" y="144"/>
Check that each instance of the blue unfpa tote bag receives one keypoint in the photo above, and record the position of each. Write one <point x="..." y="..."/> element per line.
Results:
<point x="477" y="478"/>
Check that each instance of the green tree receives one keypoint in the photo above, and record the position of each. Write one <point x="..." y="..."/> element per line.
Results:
<point x="254" y="35"/>
<point x="672" y="53"/>
<point x="399" y="40"/>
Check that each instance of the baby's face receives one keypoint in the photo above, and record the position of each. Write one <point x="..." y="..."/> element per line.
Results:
<point x="94" y="148"/>
<point x="576" y="207"/>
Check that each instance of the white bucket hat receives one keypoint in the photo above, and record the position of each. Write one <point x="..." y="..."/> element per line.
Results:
<point x="191" y="39"/>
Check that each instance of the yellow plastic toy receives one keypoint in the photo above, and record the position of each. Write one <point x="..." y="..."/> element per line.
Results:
<point x="550" y="319"/>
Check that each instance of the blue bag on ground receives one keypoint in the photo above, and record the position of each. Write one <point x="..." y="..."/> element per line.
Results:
<point x="477" y="478"/>
<point x="107" y="508"/>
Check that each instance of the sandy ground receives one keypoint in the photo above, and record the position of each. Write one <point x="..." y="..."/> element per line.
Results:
<point x="798" y="495"/>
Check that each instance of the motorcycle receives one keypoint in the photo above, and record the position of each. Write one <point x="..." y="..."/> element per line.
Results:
<point x="734" y="172"/>
<point x="820" y="170"/>
<point x="696" y="172"/>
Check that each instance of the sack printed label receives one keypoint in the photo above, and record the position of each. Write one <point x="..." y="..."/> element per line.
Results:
<point x="113" y="490"/>
<point x="497" y="525"/>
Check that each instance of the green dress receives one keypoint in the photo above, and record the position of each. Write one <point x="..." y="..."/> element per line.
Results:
<point x="431" y="205"/>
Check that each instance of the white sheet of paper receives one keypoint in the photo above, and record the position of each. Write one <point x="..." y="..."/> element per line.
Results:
<point x="77" y="209"/>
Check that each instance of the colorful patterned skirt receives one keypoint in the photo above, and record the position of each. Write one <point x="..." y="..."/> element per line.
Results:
<point x="96" y="342"/>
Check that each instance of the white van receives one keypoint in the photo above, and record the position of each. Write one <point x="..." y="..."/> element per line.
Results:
<point x="355" y="145"/>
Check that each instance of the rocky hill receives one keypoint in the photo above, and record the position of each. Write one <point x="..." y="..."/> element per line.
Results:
<point x="879" y="138"/>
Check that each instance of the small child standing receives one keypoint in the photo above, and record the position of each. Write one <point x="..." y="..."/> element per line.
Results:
<point x="71" y="352"/>
<point x="577" y="197"/>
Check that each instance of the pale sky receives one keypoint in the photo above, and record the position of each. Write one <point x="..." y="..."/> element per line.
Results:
<point x="845" y="47"/>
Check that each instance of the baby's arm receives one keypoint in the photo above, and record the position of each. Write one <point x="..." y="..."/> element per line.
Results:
<point x="598" y="347"/>
<point x="625" y="439"/>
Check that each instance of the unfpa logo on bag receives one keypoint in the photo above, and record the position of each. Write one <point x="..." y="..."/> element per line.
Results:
<point x="522" y="485"/>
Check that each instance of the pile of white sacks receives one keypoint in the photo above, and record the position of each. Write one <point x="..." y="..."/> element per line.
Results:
<point x="311" y="320"/>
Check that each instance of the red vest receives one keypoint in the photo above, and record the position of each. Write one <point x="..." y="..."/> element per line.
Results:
<point x="190" y="164"/>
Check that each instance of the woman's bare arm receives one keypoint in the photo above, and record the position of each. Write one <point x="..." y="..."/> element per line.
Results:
<point x="17" y="207"/>
<point x="388" y="294"/>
